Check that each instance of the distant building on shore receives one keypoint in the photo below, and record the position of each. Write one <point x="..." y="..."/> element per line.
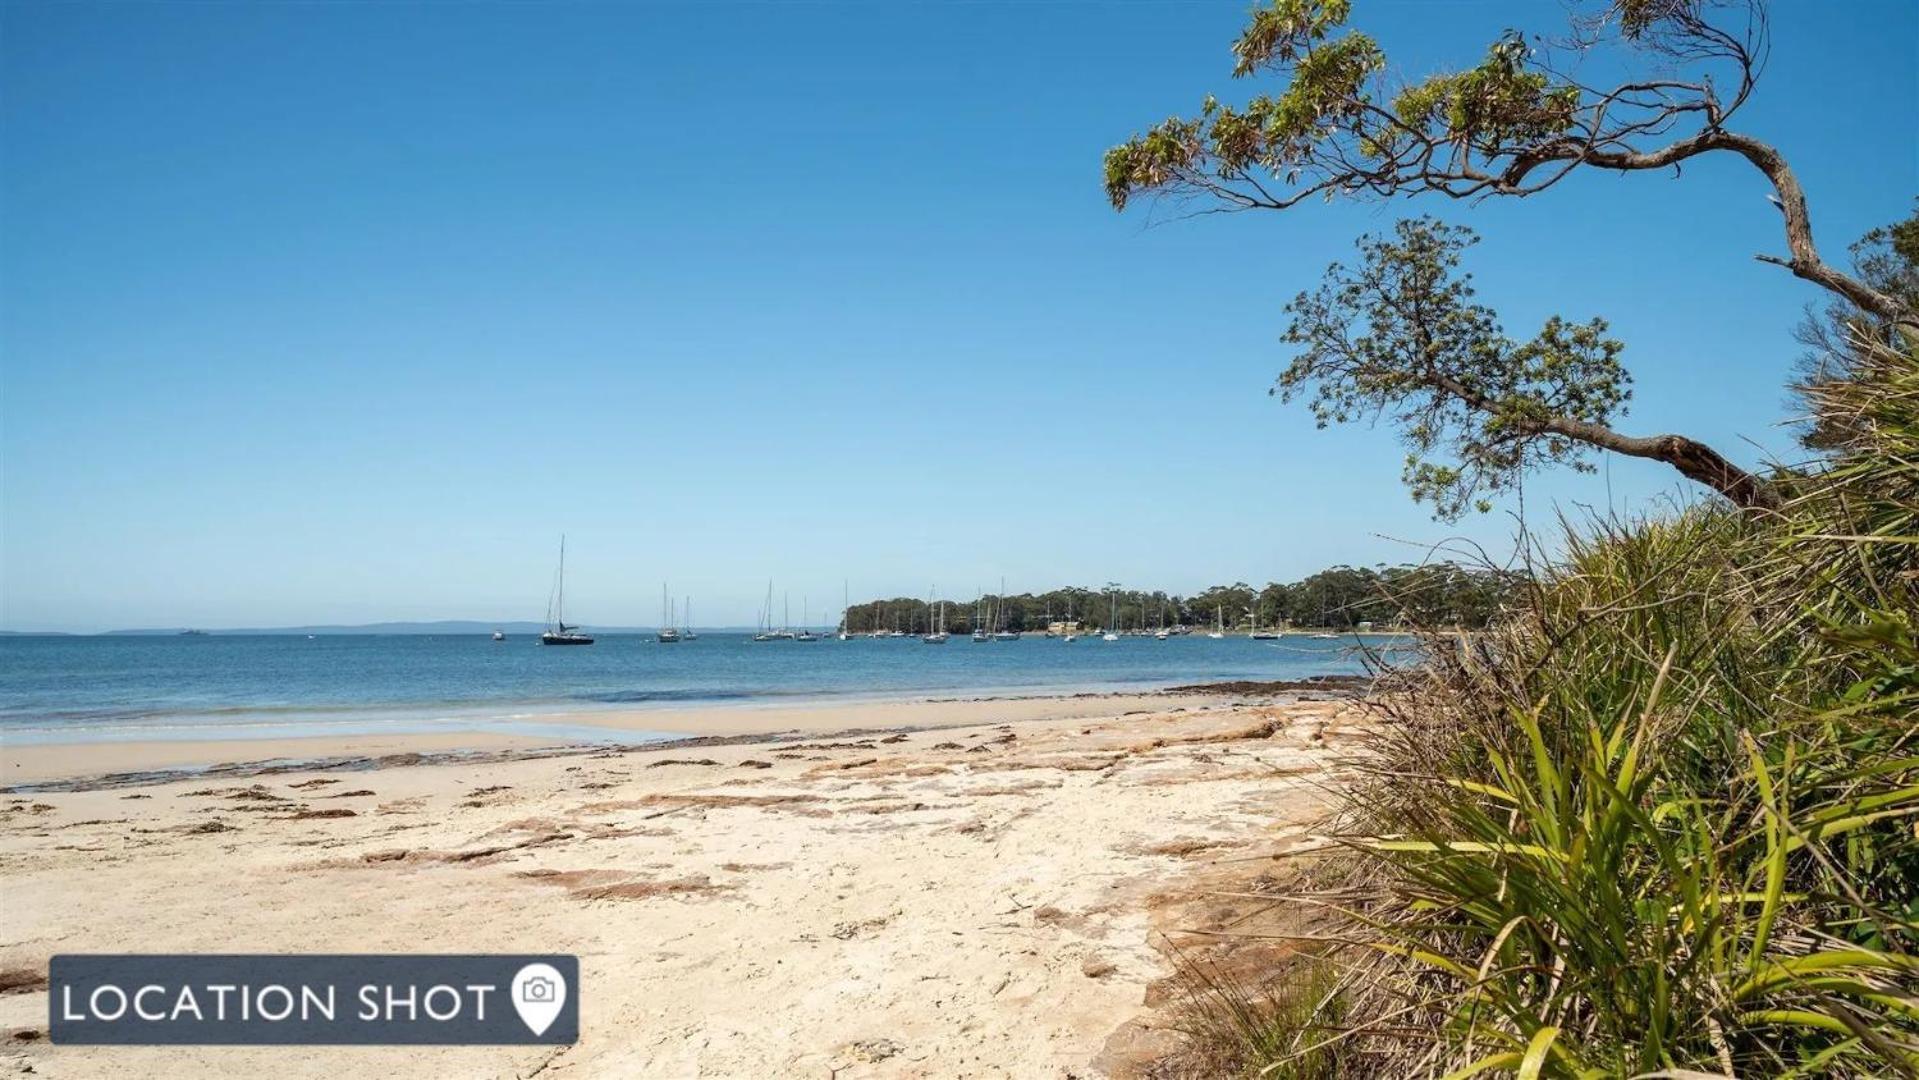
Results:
<point x="1063" y="626"/>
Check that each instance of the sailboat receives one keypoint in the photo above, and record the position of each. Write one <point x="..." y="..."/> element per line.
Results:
<point x="846" y="613"/>
<point x="557" y="632"/>
<point x="785" y="632"/>
<point x="806" y="612"/>
<point x="499" y="635"/>
<point x="1112" y="622"/>
<point x="669" y="634"/>
<point x="1220" y="632"/>
<point x="766" y="618"/>
<point x="979" y="621"/>
<point x="686" y="622"/>
<point x="1000" y="631"/>
<point x="936" y="633"/>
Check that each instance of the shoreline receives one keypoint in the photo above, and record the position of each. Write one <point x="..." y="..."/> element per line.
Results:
<point x="507" y="715"/>
<point x="114" y="763"/>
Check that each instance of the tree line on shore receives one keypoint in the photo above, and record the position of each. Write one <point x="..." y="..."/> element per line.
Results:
<point x="1341" y="597"/>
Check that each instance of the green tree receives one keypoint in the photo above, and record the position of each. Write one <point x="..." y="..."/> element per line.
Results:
<point x="1511" y="125"/>
<point x="1339" y="125"/>
<point x="1400" y="335"/>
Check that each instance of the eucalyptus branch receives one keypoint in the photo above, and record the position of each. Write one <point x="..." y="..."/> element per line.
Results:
<point x="1514" y="125"/>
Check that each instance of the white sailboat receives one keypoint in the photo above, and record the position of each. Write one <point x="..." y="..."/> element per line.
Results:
<point x="1112" y="622"/>
<point x="557" y="631"/>
<point x="936" y="632"/>
<point x="686" y="622"/>
<point x="1000" y="630"/>
<point x="1220" y="631"/>
<point x="846" y="613"/>
<point x="765" y="631"/>
<point x="668" y="634"/>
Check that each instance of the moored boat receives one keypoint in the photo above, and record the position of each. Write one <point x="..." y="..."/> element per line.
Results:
<point x="557" y="631"/>
<point x="936" y="631"/>
<point x="668" y="633"/>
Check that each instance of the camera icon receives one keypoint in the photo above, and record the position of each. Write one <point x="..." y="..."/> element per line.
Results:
<point x="537" y="988"/>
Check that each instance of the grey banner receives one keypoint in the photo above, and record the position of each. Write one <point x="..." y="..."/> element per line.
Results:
<point x="278" y="999"/>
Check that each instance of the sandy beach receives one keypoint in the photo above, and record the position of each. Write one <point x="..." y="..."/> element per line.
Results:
<point x="36" y="763"/>
<point x="989" y="894"/>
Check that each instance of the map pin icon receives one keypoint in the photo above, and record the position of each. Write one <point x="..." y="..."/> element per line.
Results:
<point x="539" y="993"/>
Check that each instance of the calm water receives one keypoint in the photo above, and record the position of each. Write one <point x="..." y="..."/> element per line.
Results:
<point x="83" y="688"/>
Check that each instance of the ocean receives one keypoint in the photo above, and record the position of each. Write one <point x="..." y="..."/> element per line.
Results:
<point x="78" y="689"/>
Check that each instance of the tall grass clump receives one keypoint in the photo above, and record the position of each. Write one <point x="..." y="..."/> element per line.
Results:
<point x="1266" y="1027"/>
<point x="1664" y="820"/>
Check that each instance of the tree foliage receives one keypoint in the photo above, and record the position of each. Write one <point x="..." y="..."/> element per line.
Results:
<point x="1341" y="597"/>
<point x="1399" y="335"/>
<point x="1513" y="124"/>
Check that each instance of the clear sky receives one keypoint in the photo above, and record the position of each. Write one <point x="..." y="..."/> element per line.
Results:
<point x="344" y="312"/>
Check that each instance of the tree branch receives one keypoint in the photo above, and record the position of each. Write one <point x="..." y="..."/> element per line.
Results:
<point x="1695" y="460"/>
<point x="1790" y="198"/>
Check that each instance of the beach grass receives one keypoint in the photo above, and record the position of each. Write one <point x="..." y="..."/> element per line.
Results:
<point x="1664" y="820"/>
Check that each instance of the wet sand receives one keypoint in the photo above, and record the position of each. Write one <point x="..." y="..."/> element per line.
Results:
<point x="37" y="763"/>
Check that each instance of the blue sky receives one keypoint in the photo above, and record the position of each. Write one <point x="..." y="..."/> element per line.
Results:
<point x="343" y="312"/>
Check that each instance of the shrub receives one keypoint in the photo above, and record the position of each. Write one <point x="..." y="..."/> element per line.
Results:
<point x="1665" y="819"/>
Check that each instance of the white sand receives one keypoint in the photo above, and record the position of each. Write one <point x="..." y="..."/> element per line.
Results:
<point x="888" y="908"/>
